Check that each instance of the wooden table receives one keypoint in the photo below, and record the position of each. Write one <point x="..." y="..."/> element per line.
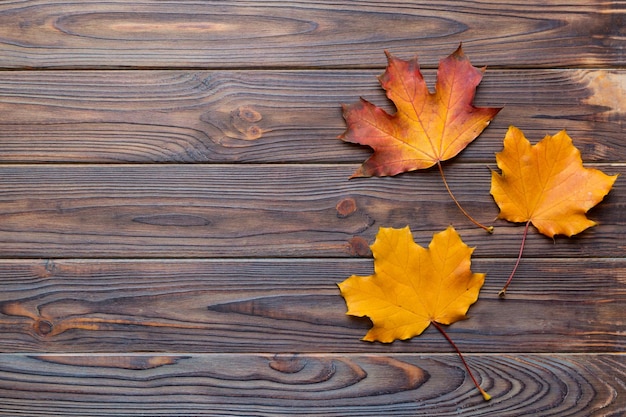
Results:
<point x="175" y="210"/>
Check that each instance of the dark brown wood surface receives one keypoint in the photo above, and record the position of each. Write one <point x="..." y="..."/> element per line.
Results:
<point x="273" y="33"/>
<point x="176" y="213"/>
<point x="274" y="116"/>
<point x="286" y="210"/>
<point x="291" y="305"/>
<point x="294" y="384"/>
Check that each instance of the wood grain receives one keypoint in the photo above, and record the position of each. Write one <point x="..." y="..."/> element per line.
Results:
<point x="248" y="306"/>
<point x="175" y="210"/>
<point x="59" y="211"/>
<point x="314" y="385"/>
<point x="274" y="116"/>
<point x="220" y="34"/>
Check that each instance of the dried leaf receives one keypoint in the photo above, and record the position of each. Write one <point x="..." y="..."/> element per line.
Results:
<point x="413" y="287"/>
<point x="428" y="127"/>
<point x="546" y="184"/>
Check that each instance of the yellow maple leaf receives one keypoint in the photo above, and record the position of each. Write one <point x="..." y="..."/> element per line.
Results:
<point x="413" y="286"/>
<point x="546" y="185"/>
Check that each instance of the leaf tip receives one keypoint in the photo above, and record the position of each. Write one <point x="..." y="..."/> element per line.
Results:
<point x="359" y="173"/>
<point x="459" y="51"/>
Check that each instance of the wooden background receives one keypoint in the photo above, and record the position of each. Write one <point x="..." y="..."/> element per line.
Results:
<point x="175" y="210"/>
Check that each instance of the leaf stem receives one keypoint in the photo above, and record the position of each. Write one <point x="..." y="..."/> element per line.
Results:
<point x="502" y="293"/>
<point x="486" y="396"/>
<point x="482" y="226"/>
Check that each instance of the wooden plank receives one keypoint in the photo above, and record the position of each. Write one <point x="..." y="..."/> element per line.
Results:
<point x="271" y="305"/>
<point x="523" y="33"/>
<point x="60" y="211"/>
<point x="172" y="228"/>
<point x="274" y="116"/>
<point x="259" y="211"/>
<point x="312" y="385"/>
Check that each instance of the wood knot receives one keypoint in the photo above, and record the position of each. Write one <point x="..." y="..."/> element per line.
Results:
<point x="253" y="133"/>
<point x="287" y="364"/>
<point x="346" y="207"/>
<point x="358" y="246"/>
<point x="43" y="327"/>
<point x="243" y="119"/>
<point x="248" y="114"/>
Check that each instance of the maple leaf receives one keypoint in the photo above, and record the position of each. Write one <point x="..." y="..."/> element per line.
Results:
<point x="427" y="128"/>
<point x="413" y="287"/>
<point x="546" y="185"/>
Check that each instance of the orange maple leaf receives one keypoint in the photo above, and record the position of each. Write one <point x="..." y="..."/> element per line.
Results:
<point x="546" y="185"/>
<point x="427" y="128"/>
<point x="413" y="287"/>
